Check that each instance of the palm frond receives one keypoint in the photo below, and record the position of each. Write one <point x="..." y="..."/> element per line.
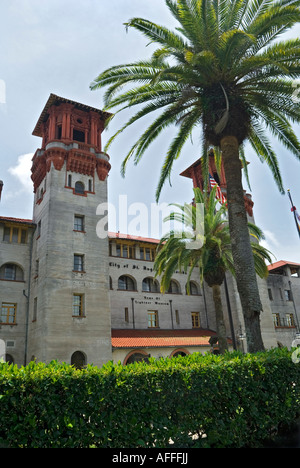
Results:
<point x="263" y="149"/>
<point x="157" y="34"/>
<point x="225" y="44"/>
<point x="175" y="148"/>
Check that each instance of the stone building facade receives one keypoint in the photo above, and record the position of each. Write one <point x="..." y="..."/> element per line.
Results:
<point x="284" y="296"/>
<point x="68" y="294"/>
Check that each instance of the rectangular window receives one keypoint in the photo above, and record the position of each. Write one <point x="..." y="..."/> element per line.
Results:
<point x="118" y="250"/>
<point x="152" y="319"/>
<point x="8" y="313"/>
<point x="288" y="295"/>
<point x="147" y="253"/>
<point x="78" y="262"/>
<point x="177" y="317"/>
<point x="276" y="320"/>
<point x="125" y="251"/>
<point x="79" y="223"/>
<point x="23" y="236"/>
<point x="6" y="236"/>
<point x="196" y="319"/>
<point x="78" y="305"/>
<point x="78" y="135"/>
<point x="10" y="272"/>
<point x="15" y="235"/>
<point x="270" y="294"/>
<point x="126" y="315"/>
<point x="290" y="322"/>
<point x="58" y="132"/>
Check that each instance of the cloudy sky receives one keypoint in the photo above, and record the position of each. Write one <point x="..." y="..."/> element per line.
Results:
<point x="60" y="46"/>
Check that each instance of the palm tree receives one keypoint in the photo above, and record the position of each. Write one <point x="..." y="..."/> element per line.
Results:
<point x="208" y="249"/>
<point x="222" y="71"/>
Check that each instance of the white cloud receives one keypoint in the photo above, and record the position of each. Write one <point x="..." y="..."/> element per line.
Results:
<point x="272" y="244"/>
<point x="22" y="171"/>
<point x="271" y="238"/>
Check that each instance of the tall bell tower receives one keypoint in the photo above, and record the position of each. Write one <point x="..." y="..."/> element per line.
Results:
<point x="69" y="313"/>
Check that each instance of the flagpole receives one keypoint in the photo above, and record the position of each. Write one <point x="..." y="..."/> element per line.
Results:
<point x="294" y="212"/>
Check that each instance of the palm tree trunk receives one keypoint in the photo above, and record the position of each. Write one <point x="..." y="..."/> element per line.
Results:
<point x="241" y="247"/>
<point x="221" y="329"/>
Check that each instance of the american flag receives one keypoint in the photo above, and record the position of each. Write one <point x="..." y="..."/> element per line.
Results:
<point x="219" y="194"/>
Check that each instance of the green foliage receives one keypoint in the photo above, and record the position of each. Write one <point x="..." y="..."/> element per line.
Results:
<point x="223" y="71"/>
<point x="209" y="401"/>
<point x="213" y="255"/>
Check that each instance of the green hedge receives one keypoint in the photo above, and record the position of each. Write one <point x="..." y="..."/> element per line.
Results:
<point x="197" y="401"/>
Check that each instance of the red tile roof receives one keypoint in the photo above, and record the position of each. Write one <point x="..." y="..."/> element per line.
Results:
<point x="118" y="235"/>
<point x="16" y="220"/>
<point x="160" y="338"/>
<point x="280" y="264"/>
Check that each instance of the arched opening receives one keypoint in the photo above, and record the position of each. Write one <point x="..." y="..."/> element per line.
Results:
<point x="174" y="287"/>
<point x="179" y="352"/>
<point x="78" y="360"/>
<point x="193" y="290"/>
<point x="150" y="285"/>
<point x="9" y="359"/>
<point x="11" y="272"/>
<point x="126" y="283"/>
<point x="136" y="356"/>
<point x="79" y="188"/>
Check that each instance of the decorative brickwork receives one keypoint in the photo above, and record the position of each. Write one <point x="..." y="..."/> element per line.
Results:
<point x="71" y="133"/>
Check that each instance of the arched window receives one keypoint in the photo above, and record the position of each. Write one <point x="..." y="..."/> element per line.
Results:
<point x="179" y="353"/>
<point x="174" y="287"/>
<point x="78" y="360"/>
<point x="138" y="356"/>
<point x="126" y="283"/>
<point x="79" y="188"/>
<point x="11" y="272"/>
<point x="150" y="285"/>
<point x="194" y="290"/>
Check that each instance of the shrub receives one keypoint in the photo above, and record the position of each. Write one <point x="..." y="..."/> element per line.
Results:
<point x="233" y="400"/>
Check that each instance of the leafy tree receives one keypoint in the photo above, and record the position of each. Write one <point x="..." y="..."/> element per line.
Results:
<point x="222" y="71"/>
<point x="207" y="248"/>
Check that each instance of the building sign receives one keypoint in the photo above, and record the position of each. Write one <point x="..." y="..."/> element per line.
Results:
<point x="148" y="300"/>
<point x="138" y="267"/>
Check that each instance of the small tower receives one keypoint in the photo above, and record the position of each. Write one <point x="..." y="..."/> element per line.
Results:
<point x="69" y="301"/>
